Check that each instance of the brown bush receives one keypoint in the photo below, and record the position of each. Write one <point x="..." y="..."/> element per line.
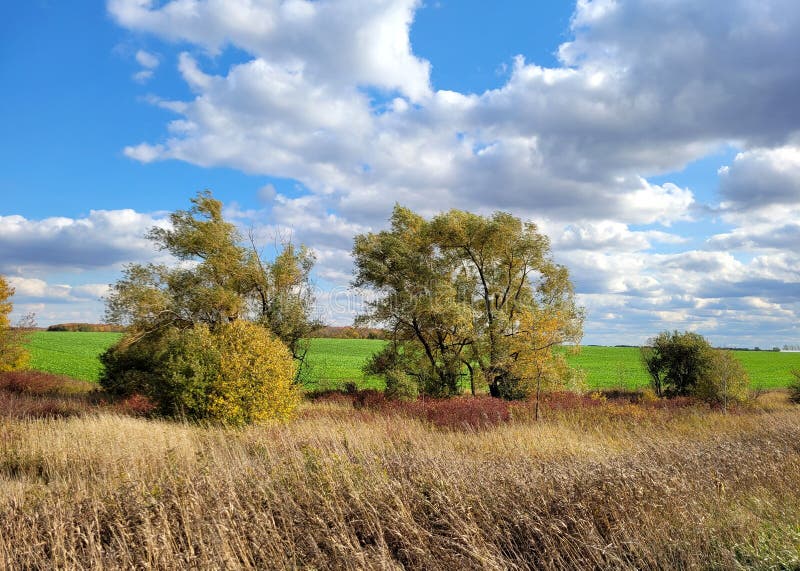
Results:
<point x="36" y="394"/>
<point x="41" y="383"/>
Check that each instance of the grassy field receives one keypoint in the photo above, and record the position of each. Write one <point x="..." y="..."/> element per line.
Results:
<point x="67" y="353"/>
<point x="620" y="367"/>
<point x="332" y="362"/>
<point x="600" y="485"/>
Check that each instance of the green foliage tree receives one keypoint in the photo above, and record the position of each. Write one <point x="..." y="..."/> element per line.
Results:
<point x="676" y="362"/>
<point x="176" y="314"/>
<point x="462" y="291"/>
<point x="13" y="355"/>
<point x="685" y="364"/>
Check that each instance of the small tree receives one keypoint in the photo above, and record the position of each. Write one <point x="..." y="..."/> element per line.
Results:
<point x="676" y="362"/>
<point x="725" y="380"/>
<point x="13" y="355"/>
<point x="532" y="366"/>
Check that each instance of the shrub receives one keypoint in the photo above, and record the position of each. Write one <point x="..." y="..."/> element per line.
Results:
<point x="400" y="385"/>
<point x="724" y="381"/>
<point x="39" y="383"/>
<point x="472" y="413"/>
<point x="794" y="387"/>
<point x="459" y="413"/>
<point x="236" y="374"/>
<point x="685" y="365"/>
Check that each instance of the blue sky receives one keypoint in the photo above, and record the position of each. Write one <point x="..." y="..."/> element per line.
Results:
<point x="655" y="141"/>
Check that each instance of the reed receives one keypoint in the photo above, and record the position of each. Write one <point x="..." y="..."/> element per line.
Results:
<point x="605" y="486"/>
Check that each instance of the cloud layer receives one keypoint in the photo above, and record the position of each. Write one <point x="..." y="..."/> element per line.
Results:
<point x="331" y="94"/>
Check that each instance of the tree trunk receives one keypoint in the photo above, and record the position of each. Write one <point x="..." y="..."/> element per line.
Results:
<point x="471" y="377"/>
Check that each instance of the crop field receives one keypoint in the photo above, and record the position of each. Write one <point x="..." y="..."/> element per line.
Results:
<point x="620" y="367"/>
<point x="332" y="362"/>
<point x="67" y="353"/>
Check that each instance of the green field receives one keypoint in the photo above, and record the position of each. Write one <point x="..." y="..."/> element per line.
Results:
<point x="620" y="367"/>
<point x="332" y="362"/>
<point x="67" y="353"/>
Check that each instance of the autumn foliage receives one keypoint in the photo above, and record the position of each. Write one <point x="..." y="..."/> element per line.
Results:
<point x="236" y="374"/>
<point x="13" y="355"/>
<point x="218" y="336"/>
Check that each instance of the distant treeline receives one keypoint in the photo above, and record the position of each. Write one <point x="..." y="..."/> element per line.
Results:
<point x="87" y="327"/>
<point x="349" y="332"/>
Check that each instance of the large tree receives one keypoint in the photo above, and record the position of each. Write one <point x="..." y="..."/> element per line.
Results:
<point x="419" y="301"/>
<point x="219" y="279"/>
<point x="219" y="333"/>
<point x="464" y="291"/>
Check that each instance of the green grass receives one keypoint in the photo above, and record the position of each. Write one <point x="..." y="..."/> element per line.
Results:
<point x="769" y="370"/>
<point x="68" y="353"/>
<point x="606" y="367"/>
<point x="620" y="367"/>
<point x="332" y="362"/>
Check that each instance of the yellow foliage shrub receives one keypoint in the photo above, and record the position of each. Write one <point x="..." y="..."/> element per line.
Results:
<point x="256" y="376"/>
<point x="237" y="373"/>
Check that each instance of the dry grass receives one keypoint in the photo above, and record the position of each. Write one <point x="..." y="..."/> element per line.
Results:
<point x="606" y="486"/>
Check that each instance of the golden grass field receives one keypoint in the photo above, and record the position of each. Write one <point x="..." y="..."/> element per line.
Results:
<point x="609" y="486"/>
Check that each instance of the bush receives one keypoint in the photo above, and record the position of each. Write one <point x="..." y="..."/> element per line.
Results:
<point x="236" y="374"/>
<point x="725" y="380"/>
<point x="685" y="364"/>
<point x="40" y="383"/>
<point x="794" y="387"/>
<point x="400" y="386"/>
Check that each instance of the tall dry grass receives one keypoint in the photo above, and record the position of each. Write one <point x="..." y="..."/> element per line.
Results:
<point x="340" y="488"/>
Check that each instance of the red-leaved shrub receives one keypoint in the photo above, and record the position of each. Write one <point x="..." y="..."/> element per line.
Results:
<point x="36" y="394"/>
<point x="19" y="406"/>
<point x="31" y="382"/>
<point x="134" y="405"/>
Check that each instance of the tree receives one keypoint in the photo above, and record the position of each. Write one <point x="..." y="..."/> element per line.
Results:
<point x="530" y="358"/>
<point x="431" y="329"/>
<point x="676" y="362"/>
<point x="464" y="291"/>
<point x="219" y="286"/>
<point x="725" y="381"/>
<point x="13" y="355"/>
<point x="685" y="364"/>
<point x="219" y="280"/>
<point x="523" y="302"/>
